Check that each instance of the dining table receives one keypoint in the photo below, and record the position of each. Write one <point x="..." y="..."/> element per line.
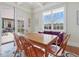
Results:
<point x="41" y="40"/>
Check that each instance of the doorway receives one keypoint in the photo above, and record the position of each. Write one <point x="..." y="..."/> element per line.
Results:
<point x="8" y="28"/>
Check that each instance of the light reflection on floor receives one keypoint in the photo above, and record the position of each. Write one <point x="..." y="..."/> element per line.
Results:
<point x="7" y="50"/>
<point x="7" y="37"/>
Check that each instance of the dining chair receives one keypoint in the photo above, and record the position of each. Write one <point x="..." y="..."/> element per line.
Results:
<point x="58" y="40"/>
<point x="29" y="49"/>
<point x="56" y="50"/>
<point x="17" y="44"/>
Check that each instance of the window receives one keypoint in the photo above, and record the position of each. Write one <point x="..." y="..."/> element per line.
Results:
<point x="55" y="17"/>
<point x="58" y="19"/>
<point x="47" y="26"/>
<point x="58" y="26"/>
<point x="47" y="17"/>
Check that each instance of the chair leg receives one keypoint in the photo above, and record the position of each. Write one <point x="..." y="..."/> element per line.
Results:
<point x="14" y="44"/>
<point x="15" y="53"/>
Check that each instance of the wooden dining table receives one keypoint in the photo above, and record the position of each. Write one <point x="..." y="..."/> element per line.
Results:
<point x="42" y="40"/>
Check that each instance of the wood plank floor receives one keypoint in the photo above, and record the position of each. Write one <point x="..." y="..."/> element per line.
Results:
<point x="73" y="49"/>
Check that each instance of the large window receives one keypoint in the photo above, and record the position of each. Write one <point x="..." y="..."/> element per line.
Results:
<point x="54" y="19"/>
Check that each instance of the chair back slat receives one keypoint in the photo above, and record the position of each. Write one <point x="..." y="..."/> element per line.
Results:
<point x="64" y="43"/>
<point x="59" y="49"/>
<point x="17" y="42"/>
<point x="29" y="49"/>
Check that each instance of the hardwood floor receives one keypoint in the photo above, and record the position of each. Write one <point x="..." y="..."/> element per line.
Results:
<point x="73" y="49"/>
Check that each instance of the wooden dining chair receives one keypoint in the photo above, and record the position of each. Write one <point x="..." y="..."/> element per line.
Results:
<point x="18" y="44"/>
<point x="56" y="50"/>
<point x="57" y="40"/>
<point x="29" y="49"/>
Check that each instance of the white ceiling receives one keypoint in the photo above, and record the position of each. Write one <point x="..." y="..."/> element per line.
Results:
<point x="33" y="4"/>
<point x="28" y="5"/>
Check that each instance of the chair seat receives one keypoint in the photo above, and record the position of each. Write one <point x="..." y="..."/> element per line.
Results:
<point x="56" y="48"/>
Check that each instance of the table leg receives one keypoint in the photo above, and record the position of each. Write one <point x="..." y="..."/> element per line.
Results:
<point x="46" y="53"/>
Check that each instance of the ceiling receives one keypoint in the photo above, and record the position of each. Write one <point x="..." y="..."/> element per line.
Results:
<point x="28" y="5"/>
<point x="32" y="4"/>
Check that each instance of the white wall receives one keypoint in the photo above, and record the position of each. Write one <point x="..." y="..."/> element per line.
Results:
<point x="37" y="22"/>
<point x="7" y="11"/>
<point x="72" y="26"/>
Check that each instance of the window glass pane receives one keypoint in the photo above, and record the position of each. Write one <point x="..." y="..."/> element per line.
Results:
<point x="58" y="15"/>
<point x="47" y="16"/>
